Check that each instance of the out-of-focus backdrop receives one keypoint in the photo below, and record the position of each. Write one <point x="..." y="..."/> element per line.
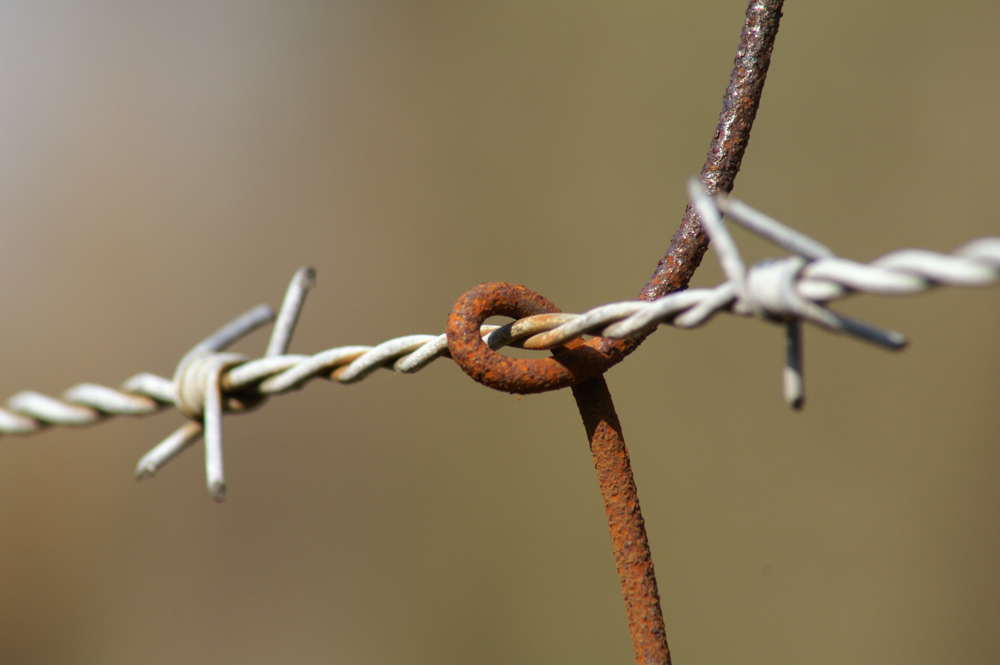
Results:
<point x="167" y="165"/>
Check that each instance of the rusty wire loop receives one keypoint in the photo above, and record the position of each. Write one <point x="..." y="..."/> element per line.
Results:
<point x="209" y="382"/>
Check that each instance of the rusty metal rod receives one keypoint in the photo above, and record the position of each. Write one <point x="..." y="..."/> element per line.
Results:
<point x="673" y="273"/>
<point x="628" y="530"/>
<point x="729" y="144"/>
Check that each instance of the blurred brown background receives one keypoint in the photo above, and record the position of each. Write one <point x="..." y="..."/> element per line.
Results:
<point x="169" y="164"/>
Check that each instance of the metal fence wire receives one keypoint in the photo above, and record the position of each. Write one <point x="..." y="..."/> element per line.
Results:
<point x="209" y="382"/>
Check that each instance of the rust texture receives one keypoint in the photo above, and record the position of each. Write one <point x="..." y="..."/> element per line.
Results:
<point x="515" y="375"/>
<point x="725" y="154"/>
<point x="628" y="530"/>
<point x="673" y="272"/>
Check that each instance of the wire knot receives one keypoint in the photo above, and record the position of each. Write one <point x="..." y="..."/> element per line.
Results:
<point x="200" y="374"/>
<point x="201" y="390"/>
<point x="770" y="290"/>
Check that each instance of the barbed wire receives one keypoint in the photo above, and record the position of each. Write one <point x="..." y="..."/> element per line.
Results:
<point x="208" y="382"/>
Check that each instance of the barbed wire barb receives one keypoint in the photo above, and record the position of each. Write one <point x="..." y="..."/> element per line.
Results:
<point x="209" y="382"/>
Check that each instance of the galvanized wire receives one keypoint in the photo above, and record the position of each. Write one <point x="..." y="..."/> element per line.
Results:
<point x="208" y="382"/>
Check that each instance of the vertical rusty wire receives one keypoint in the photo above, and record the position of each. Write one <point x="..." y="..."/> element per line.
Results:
<point x="628" y="531"/>
<point x="729" y="144"/>
<point x="633" y="557"/>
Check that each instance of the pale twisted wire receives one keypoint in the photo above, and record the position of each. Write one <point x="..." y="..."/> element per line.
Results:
<point x="899" y="273"/>
<point x="208" y="382"/>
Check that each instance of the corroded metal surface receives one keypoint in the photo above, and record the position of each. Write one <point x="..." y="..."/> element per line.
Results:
<point x="725" y="153"/>
<point x="514" y="375"/>
<point x="628" y="530"/>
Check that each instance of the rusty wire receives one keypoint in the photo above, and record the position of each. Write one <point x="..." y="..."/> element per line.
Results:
<point x="673" y="272"/>
<point x="630" y="545"/>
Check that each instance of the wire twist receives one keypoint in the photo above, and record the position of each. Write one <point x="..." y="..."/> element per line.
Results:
<point x="208" y="382"/>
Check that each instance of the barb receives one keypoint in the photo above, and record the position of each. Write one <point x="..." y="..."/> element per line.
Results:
<point x="208" y="382"/>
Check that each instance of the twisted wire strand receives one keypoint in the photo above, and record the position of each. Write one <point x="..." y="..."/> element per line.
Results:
<point x="797" y="288"/>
